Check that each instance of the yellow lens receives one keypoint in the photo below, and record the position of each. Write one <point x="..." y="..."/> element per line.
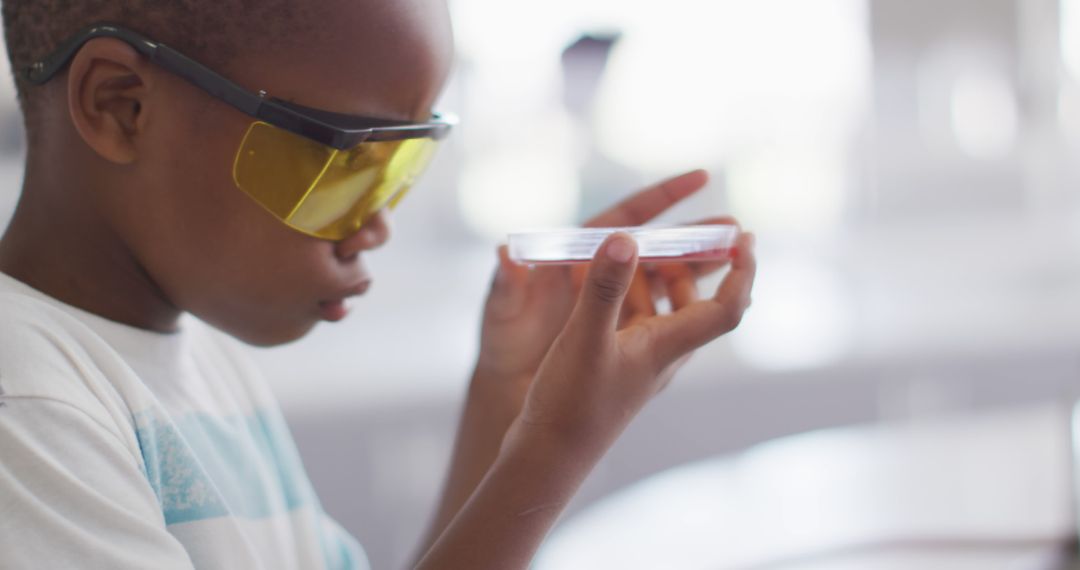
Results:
<point x="359" y="182"/>
<point x="330" y="193"/>
<point x="278" y="168"/>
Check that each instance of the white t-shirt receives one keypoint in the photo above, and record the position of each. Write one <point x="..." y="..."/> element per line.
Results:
<point x="122" y="448"/>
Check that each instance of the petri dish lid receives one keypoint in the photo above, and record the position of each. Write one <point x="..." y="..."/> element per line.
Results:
<point x="578" y="245"/>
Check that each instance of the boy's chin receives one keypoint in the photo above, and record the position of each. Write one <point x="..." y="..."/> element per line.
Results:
<point x="278" y="334"/>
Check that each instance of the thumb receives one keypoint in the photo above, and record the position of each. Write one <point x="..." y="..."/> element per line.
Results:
<point x="610" y="274"/>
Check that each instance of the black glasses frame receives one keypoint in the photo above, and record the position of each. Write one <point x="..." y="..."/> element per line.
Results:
<point x="332" y="129"/>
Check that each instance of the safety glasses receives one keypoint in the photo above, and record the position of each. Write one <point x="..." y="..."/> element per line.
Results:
<point x="322" y="173"/>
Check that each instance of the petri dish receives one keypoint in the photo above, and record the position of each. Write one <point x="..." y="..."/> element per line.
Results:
<point x="655" y="244"/>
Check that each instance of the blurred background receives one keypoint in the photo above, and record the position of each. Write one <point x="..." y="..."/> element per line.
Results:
<point x="911" y="170"/>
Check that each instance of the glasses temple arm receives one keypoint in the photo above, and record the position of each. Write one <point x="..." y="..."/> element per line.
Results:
<point x="161" y="54"/>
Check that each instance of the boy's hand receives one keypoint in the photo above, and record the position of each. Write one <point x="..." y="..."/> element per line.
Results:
<point x="527" y="308"/>
<point x="594" y="379"/>
<point x="613" y="356"/>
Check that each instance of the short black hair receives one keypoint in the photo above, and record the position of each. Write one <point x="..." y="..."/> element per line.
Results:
<point x="211" y="31"/>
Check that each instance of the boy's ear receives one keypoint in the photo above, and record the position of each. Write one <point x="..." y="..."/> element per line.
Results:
<point x="108" y="83"/>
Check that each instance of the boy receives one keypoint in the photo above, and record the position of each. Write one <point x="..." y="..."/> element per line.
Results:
<point x="132" y="436"/>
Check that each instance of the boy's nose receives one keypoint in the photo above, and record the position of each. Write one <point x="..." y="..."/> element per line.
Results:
<point x="371" y="235"/>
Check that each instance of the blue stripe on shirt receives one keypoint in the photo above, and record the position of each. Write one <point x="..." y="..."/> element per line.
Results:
<point x="204" y="466"/>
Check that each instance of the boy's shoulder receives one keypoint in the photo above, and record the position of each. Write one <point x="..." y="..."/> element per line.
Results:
<point x="46" y="353"/>
<point x="52" y="350"/>
<point x="31" y="327"/>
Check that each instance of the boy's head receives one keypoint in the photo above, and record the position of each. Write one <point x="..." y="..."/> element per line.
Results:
<point x="137" y="160"/>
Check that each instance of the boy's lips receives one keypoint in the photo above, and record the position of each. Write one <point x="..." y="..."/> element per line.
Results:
<point x="337" y="307"/>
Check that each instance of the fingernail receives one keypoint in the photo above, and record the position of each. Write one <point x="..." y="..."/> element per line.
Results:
<point x="621" y="249"/>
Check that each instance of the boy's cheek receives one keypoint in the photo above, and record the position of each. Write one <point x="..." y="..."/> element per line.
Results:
<point x="233" y="263"/>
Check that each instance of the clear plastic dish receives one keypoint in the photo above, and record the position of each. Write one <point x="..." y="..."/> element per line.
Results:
<point x="681" y="243"/>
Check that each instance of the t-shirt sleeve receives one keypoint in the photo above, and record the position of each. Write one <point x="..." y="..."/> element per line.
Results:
<point x="72" y="495"/>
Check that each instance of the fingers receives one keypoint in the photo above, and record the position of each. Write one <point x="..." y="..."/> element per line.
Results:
<point x="697" y="269"/>
<point x="680" y="283"/>
<point x="508" y="292"/>
<point x="698" y="323"/>
<point x="681" y="276"/>
<point x="639" y="300"/>
<point x="737" y="284"/>
<point x="651" y="202"/>
<point x="706" y="268"/>
<point x="605" y="288"/>
<point x="550" y="277"/>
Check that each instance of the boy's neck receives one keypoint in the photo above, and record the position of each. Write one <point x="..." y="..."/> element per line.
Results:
<point x="71" y="256"/>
